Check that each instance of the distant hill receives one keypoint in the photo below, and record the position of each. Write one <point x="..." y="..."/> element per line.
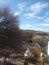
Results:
<point x="35" y="32"/>
<point x="32" y="36"/>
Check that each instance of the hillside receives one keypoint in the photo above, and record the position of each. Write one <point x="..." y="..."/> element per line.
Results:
<point x="35" y="32"/>
<point x="35" y="37"/>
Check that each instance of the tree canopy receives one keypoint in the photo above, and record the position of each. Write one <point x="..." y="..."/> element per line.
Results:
<point x="10" y="34"/>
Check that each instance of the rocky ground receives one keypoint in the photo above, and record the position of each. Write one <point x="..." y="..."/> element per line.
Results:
<point x="16" y="62"/>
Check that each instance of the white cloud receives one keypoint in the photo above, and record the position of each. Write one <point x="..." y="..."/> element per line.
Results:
<point x="38" y="29"/>
<point x="37" y="7"/>
<point x="30" y="15"/>
<point x="16" y="13"/>
<point x="47" y="13"/>
<point x="28" y="25"/>
<point x="46" y="20"/>
<point x="38" y="17"/>
<point x="21" y="6"/>
<point x="45" y="24"/>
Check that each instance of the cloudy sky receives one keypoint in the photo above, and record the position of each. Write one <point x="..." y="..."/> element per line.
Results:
<point x="33" y="14"/>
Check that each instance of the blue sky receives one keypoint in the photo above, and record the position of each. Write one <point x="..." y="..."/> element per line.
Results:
<point x="33" y="14"/>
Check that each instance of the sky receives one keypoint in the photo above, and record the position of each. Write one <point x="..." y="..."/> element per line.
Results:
<point x="33" y="14"/>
